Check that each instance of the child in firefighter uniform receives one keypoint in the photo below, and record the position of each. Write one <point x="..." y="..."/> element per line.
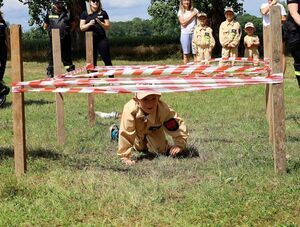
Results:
<point x="230" y="34"/>
<point x="251" y="42"/>
<point x="60" y="18"/>
<point x="144" y="122"/>
<point x="203" y="40"/>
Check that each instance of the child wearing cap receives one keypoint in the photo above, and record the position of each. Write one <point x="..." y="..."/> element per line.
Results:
<point x="144" y="124"/>
<point x="251" y="42"/>
<point x="230" y="34"/>
<point x="203" y="40"/>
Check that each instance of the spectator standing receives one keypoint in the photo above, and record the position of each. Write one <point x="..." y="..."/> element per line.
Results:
<point x="4" y="90"/>
<point x="203" y="40"/>
<point x="265" y="11"/>
<point x="187" y="16"/>
<point x="230" y="34"/>
<point x="59" y="17"/>
<point x="251" y="42"/>
<point x="292" y="34"/>
<point x="97" y="21"/>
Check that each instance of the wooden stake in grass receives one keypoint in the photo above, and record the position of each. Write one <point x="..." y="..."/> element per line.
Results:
<point x="57" y="64"/>
<point x="18" y="101"/>
<point x="90" y="59"/>
<point x="277" y="94"/>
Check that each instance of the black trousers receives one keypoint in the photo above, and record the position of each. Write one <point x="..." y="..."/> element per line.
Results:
<point x="295" y="51"/>
<point x="3" y="59"/>
<point x="66" y="54"/>
<point x="101" y="46"/>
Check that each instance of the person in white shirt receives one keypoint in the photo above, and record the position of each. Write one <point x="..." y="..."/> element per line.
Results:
<point x="187" y="16"/>
<point x="265" y="11"/>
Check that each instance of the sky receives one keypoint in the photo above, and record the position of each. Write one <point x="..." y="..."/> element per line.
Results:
<point x="118" y="10"/>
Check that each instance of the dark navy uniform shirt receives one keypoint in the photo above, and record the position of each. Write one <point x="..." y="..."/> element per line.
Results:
<point x="3" y="27"/>
<point x="61" y="20"/>
<point x="97" y="29"/>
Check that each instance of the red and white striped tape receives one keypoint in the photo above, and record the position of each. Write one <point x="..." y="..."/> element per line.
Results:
<point x="191" y="77"/>
<point x="159" y="80"/>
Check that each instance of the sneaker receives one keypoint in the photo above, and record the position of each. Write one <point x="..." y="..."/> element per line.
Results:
<point x="114" y="132"/>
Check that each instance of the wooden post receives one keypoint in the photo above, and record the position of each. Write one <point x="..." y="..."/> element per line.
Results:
<point x="277" y="93"/>
<point x="90" y="59"/>
<point x="267" y="54"/>
<point x="56" y="50"/>
<point x="18" y="101"/>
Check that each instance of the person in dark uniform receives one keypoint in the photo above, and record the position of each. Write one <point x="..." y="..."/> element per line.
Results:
<point x="4" y="90"/>
<point x="292" y="34"/>
<point x="97" y="21"/>
<point x="60" y="17"/>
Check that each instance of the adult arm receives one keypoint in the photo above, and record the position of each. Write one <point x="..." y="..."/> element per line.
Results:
<point x="85" y="26"/>
<point x="293" y="9"/>
<point x="185" y="21"/>
<point x="105" y="25"/>
<point x="265" y="8"/>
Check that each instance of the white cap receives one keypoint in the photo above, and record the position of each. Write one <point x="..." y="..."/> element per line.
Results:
<point x="141" y="95"/>
<point x="249" y="25"/>
<point x="228" y="8"/>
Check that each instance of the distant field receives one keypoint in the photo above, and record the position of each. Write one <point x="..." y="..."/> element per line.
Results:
<point x="83" y="183"/>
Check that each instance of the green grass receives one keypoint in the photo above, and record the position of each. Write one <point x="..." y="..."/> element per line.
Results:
<point x="82" y="183"/>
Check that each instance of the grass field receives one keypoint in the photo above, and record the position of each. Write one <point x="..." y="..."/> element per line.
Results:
<point x="83" y="183"/>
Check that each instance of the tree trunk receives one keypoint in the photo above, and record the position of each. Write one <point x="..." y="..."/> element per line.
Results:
<point x="76" y="8"/>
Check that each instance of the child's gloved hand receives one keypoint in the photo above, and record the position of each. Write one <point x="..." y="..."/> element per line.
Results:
<point x="128" y="161"/>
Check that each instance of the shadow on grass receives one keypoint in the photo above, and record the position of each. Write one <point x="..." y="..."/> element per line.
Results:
<point x="44" y="153"/>
<point x="35" y="154"/>
<point x="189" y="152"/>
<point x="6" y="152"/>
<point x="217" y="140"/>
<point x="295" y="118"/>
<point x="293" y="139"/>
<point x="30" y="103"/>
<point x="293" y="166"/>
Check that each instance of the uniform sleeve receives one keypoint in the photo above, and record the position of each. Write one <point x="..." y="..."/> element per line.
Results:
<point x="127" y="134"/>
<point x="212" y="39"/>
<point x="291" y="1"/>
<point x="237" y="38"/>
<point x="46" y="19"/>
<point x="195" y="35"/>
<point x="222" y="35"/>
<point x="105" y="15"/>
<point x="83" y="16"/>
<point x="245" y="41"/>
<point x="257" y="41"/>
<point x="176" y="128"/>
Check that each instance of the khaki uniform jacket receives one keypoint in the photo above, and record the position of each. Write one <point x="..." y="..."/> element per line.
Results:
<point x="147" y="132"/>
<point x="203" y="42"/>
<point x="251" y="52"/>
<point x="230" y="32"/>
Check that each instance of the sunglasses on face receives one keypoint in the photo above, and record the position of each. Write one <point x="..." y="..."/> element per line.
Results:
<point x="95" y="1"/>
